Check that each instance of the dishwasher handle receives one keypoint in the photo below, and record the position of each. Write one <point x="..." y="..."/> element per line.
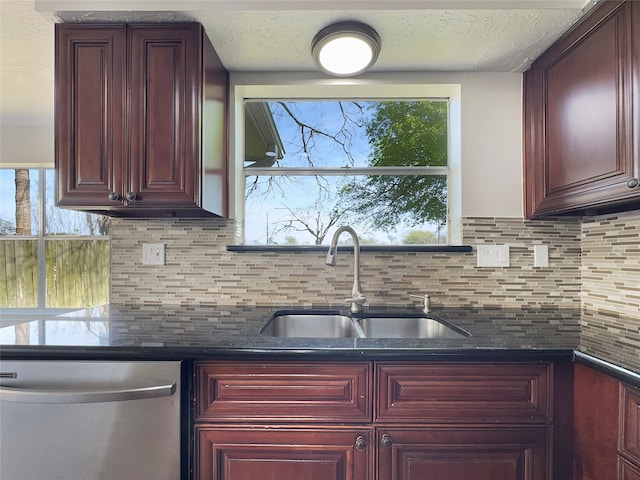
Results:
<point x="23" y="395"/>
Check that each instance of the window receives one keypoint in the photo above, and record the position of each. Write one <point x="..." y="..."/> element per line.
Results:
<point x="52" y="258"/>
<point x="382" y="164"/>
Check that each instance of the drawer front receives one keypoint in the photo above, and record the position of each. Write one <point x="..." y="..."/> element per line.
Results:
<point x="286" y="392"/>
<point x="464" y="393"/>
<point x="630" y="423"/>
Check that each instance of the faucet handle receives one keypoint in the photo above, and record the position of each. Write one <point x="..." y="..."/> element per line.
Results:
<point x="359" y="300"/>
<point x="426" y="301"/>
<point x="356" y="303"/>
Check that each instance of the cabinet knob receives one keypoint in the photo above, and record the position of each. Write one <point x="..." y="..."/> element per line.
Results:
<point x="361" y="443"/>
<point x="633" y="183"/>
<point x="385" y="441"/>
<point x="114" y="197"/>
<point x="131" y="196"/>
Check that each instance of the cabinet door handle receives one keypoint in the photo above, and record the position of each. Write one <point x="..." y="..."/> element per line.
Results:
<point x="386" y="441"/>
<point x="131" y="196"/>
<point x="361" y="443"/>
<point x="114" y="197"/>
<point x="633" y="183"/>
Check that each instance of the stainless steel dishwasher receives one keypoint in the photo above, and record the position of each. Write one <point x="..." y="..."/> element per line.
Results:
<point x="72" y="420"/>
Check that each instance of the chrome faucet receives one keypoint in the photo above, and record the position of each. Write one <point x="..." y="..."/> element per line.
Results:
<point x="357" y="298"/>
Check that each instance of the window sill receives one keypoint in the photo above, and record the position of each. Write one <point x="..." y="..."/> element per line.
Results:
<point x="363" y="248"/>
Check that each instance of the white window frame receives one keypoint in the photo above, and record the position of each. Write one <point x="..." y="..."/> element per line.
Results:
<point x="310" y="87"/>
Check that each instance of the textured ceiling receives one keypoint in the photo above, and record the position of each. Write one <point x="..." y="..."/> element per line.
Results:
<point x="270" y="35"/>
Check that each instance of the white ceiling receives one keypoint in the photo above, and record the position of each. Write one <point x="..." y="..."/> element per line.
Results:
<point x="275" y="35"/>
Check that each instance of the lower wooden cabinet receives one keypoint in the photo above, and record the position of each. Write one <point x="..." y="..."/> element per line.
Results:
<point x="267" y="452"/>
<point x="373" y="421"/>
<point x="606" y="438"/>
<point x="629" y="435"/>
<point x="595" y="430"/>
<point x="487" y="453"/>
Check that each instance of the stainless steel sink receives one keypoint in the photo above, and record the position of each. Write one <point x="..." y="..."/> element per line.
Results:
<point x="409" y="327"/>
<point x="309" y="325"/>
<point x="330" y="324"/>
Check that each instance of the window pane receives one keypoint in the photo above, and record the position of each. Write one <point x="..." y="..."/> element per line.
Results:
<point x="24" y="333"/>
<point x="385" y="210"/>
<point x="77" y="273"/>
<point x="346" y="133"/>
<point x="59" y="221"/>
<point x="19" y="280"/>
<point x="18" y="213"/>
<point x="396" y="208"/>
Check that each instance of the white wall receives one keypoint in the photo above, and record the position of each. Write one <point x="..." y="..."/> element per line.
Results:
<point x="27" y="146"/>
<point x="492" y="145"/>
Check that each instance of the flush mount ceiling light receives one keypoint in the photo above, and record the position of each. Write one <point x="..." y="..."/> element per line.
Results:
<point x="346" y="48"/>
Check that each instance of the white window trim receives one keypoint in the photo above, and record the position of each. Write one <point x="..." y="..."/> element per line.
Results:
<point x="303" y="86"/>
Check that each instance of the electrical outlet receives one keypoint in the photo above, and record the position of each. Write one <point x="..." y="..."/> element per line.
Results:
<point x="153" y="254"/>
<point x="541" y="256"/>
<point x="493" y="255"/>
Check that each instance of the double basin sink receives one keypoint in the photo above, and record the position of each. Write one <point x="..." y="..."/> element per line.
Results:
<point x="335" y="324"/>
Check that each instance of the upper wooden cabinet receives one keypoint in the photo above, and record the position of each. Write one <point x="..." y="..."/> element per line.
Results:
<point x="582" y="117"/>
<point x="140" y="120"/>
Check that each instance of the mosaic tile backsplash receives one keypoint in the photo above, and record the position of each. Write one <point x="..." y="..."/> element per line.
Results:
<point x="611" y="287"/>
<point x="593" y="266"/>
<point x="200" y="269"/>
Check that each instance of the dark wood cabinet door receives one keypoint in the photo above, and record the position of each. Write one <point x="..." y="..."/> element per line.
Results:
<point x="627" y="471"/>
<point x="630" y="424"/>
<point x="595" y="437"/>
<point x="165" y="83"/>
<point x="581" y="117"/>
<point x="252" y="453"/>
<point x="90" y="149"/>
<point x="446" y="453"/>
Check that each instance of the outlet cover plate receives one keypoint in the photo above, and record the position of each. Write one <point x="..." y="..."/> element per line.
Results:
<point x="493" y="255"/>
<point x="153" y="253"/>
<point x="541" y="256"/>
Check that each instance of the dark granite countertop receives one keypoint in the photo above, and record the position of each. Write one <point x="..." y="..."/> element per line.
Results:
<point x="158" y="332"/>
<point x="209" y="329"/>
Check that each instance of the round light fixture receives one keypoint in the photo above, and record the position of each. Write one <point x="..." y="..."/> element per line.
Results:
<point x="346" y="48"/>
